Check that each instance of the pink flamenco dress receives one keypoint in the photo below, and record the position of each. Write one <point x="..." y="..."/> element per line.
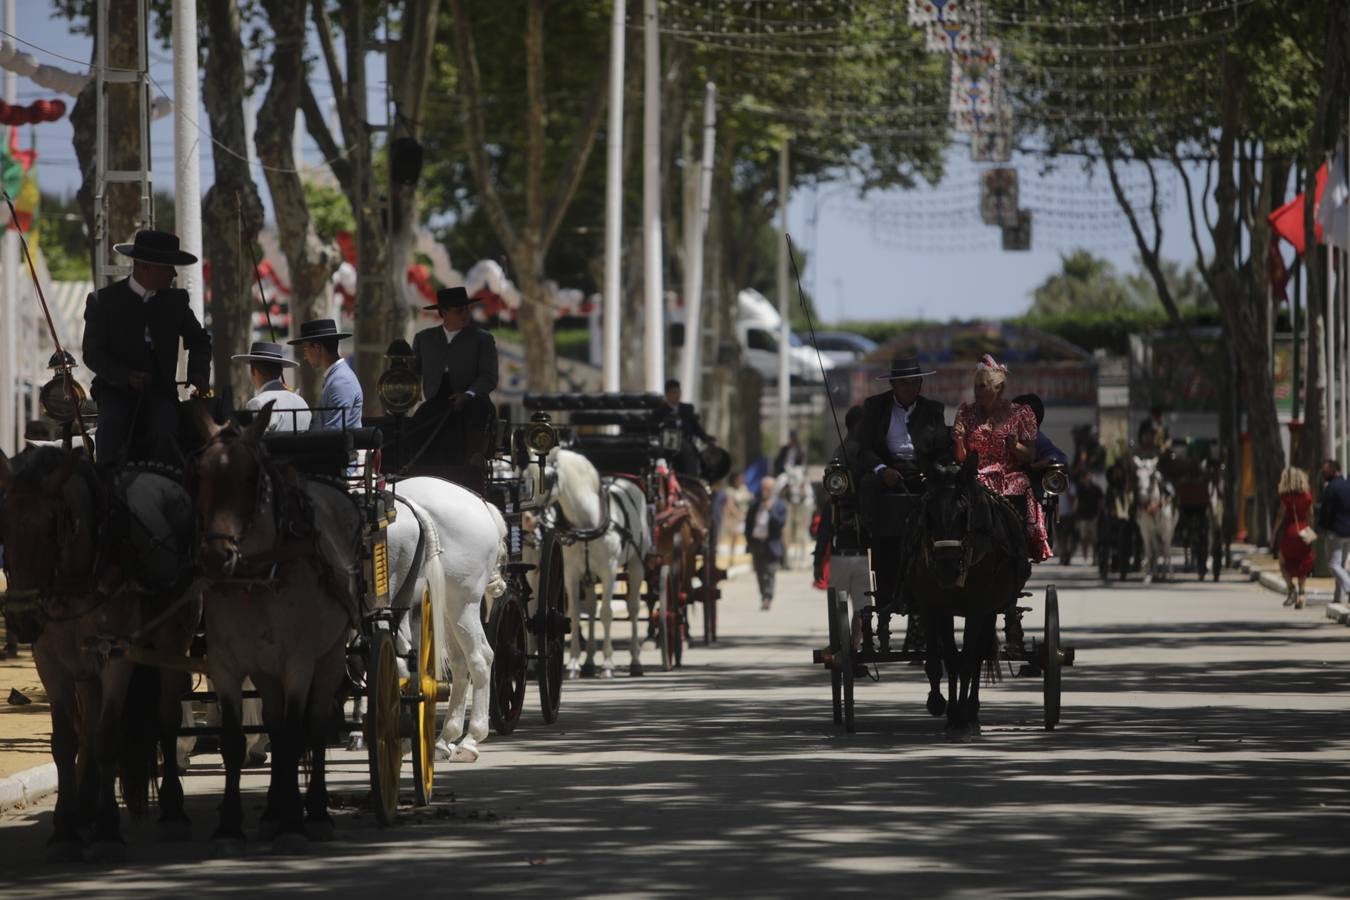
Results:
<point x="999" y="471"/>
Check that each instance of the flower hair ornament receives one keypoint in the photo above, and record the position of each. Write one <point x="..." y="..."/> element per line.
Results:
<point x="988" y="362"/>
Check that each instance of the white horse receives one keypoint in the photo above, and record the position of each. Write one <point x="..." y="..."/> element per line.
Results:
<point x="463" y="550"/>
<point x="793" y="487"/>
<point x="609" y="517"/>
<point x="1155" y="513"/>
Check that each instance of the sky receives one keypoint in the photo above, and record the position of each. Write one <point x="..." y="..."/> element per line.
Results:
<point x="913" y="254"/>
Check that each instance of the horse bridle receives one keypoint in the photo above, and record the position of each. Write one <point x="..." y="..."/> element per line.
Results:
<point x="262" y="494"/>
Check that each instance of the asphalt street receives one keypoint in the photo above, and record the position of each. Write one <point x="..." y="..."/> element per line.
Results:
<point x="1203" y="751"/>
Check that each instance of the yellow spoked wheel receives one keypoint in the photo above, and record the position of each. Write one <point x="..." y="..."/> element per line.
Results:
<point x="422" y="696"/>
<point x="382" y="737"/>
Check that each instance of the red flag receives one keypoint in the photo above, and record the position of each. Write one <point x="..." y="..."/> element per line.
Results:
<point x="1288" y="219"/>
<point x="25" y="158"/>
<point x="1277" y="273"/>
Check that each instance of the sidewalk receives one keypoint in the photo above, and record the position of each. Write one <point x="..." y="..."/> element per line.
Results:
<point x="26" y="770"/>
<point x="1265" y="569"/>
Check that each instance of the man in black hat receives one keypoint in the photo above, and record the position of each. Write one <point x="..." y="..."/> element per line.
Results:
<point x="457" y="362"/>
<point x="682" y="415"/>
<point x="267" y="363"/>
<point x="340" y="399"/>
<point x="131" y="334"/>
<point x="896" y="427"/>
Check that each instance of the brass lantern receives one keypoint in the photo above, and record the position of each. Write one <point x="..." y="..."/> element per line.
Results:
<point x="62" y="396"/>
<point x="539" y="434"/>
<point x="399" y="386"/>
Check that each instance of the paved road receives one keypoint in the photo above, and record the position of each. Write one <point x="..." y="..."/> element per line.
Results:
<point x="1203" y="752"/>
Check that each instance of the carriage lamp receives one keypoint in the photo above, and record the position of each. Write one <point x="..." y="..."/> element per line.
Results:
<point x="539" y="434"/>
<point x="55" y="396"/>
<point x="1055" y="481"/>
<point x="671" y="440"/>
<point x="399" y="387"/>
<point x="837" y="480"/>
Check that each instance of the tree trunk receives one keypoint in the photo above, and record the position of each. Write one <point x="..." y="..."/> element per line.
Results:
<point x="232" y="212"/>
<point x="124" y="205"/>
<point x="309" y="260"/>
<point x="1244" y="320"/>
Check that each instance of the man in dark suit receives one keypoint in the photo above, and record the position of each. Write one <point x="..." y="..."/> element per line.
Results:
<point x="684" y="417"/>
<point x="131" y="333"/>
<point x="896" y="427"/>
<point x="457" y="362"/>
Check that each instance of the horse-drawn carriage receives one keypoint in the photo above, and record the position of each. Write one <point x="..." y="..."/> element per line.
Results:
<point x="624" y="438"/>
<point x="915" y="526"/>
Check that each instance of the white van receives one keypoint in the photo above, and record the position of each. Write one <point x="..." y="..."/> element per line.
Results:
<point x="757" y="332"/>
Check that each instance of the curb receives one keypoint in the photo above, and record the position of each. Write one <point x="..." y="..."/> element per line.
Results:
<point x="27" y="787"/>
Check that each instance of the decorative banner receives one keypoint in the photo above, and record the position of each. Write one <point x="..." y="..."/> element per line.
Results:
<point x="991" y="146"/>
<point x="998" y="198"/>
<point x="1019" y="237"/>
<point x="34" y="113"/>
<point x="948" y="37"/>
<point x="922" y="12"/>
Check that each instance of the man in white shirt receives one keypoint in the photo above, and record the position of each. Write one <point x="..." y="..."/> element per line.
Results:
<point x="267" y="363"/>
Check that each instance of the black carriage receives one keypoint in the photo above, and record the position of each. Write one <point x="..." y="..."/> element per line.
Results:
<point x="852" y="589"/>
<point x="623" y="436"/>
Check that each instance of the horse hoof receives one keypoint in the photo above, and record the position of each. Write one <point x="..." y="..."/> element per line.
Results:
<point x="256" y="760"/>
<point x="357" y="741"/>
<point x="607" y="673"/>
<point x="1148" y="579"/>
<point x="290" y="842"/>
<point x="106" y="853"/>
<point x="174" y="831"/>
<point x="588" y="670"/>
<point x="573" y="674"/>
<point x="64" y="851"/>
<point x="635" y="668"/>
<point x="184" y="762"/>
<point x="937" y="704"/>
<point x="959" y="734"/>
<point x="320" y="831"/>
<point x="227" y="847"/>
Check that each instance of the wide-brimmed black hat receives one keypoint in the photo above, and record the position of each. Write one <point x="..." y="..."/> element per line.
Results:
<point x="450" y="298"/>
<point x="317" y="330"/>
<point x="266" y="352"/>
<point x="903" y="368"/>
<point x="158" y="247"/>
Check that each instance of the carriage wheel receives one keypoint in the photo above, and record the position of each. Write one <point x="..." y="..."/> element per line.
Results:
<point x="843" y="659"/>
<point x="507" y="632"/>
<point x="836" y="680"/>
<point x="382" y="736"/>
<point x="552" y="607"/>
<point x="423" y="692"/>
<point x="1052" y="658"/>
<point x="710" y="589"/>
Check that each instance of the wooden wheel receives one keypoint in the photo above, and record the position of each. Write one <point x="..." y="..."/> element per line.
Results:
<point x="550" y="629"/>
<point x="710" y="589"/>
<point x="382" y="733"/>
<point x="507" y="632"/>
<point x="843" y="659"/>
<point x="836" y="680"/>
<point x="1052" y="658"/>
<point x="422" y="690"/>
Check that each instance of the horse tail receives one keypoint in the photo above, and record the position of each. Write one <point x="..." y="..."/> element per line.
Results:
<point x="137" y="762"/>
<point x="496" y="585"/>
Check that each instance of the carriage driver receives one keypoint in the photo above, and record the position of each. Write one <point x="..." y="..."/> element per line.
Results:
<point x="457" y="362"/>
<point x="893" y="424"/>
<point x="266" y="364"/>
<point x="131" y="333"/>
<point x="683" y="416"/>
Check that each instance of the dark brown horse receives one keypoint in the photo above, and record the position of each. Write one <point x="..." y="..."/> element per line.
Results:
<point x="88" y="561"/>
<point x="965" y="553"/>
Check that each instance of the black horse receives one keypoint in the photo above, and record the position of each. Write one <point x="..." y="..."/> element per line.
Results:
<point x="965" y="552"/>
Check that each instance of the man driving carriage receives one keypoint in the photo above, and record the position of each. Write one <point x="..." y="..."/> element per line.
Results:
<point x="457" y="362"/>
<point x="132" y="329"/>
<point x="686" y="461"/>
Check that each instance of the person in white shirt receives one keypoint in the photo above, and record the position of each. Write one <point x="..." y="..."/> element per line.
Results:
<point x="267" y="364"/>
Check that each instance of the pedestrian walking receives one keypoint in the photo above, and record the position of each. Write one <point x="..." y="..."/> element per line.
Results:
<point x="1293" y="535"/>
<point x="1334" y="519"/>
<point x="1087" y="512"/>
<point x="764" y="522"/>
<point x="738" y="500"/>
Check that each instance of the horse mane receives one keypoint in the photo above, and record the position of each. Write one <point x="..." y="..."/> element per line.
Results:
<point x="32" y="467"/>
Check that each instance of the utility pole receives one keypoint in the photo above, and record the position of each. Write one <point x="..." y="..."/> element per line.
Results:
<point x="613" y="202"/>
<point x="9" y="259"/>
<point x="654" y="319"/>
<point x="784" y="375"/>
<point x="187" y="201"/>
<point x="691" y="361"/>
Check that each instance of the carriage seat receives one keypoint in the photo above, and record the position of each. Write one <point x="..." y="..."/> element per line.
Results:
<point x="313" y="452"/>
<point x="615" y="453"/>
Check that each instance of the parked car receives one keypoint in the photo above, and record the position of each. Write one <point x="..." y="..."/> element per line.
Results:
<point x="843" y="347"/>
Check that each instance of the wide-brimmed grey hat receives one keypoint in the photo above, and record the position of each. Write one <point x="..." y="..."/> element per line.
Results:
<point x="158" y="247"/>
<point x="266" y="352"/>
<point x="904" y="368"/>
<point x="317" y="330"/>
